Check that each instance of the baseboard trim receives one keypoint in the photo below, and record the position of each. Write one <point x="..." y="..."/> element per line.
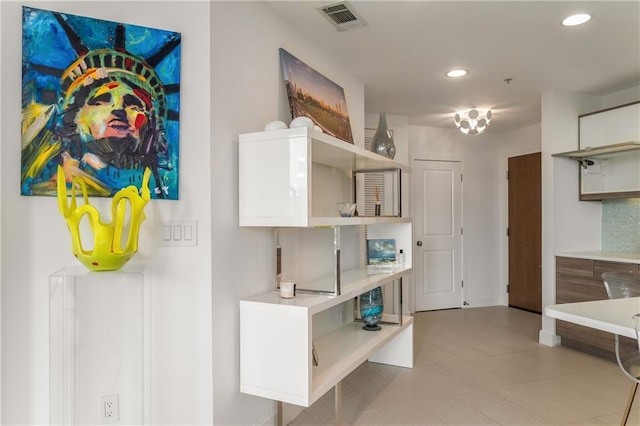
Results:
<point x="483" y="303"/>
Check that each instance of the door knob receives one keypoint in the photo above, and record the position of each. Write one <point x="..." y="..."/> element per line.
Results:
<point x="419" y="243"/>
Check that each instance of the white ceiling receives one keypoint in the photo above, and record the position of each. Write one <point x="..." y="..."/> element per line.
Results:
<point x="404" y="52"/>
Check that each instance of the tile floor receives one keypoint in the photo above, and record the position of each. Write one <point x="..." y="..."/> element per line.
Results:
<point x="482" y="366"/>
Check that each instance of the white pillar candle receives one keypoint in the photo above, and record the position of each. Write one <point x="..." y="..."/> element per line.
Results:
<point x="287" y="289"/>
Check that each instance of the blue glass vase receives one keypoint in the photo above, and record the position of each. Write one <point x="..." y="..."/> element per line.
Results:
<point x="371" y="307"/>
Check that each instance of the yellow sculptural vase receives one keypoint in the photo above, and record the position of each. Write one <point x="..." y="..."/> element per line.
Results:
<point x="107" y="253"/>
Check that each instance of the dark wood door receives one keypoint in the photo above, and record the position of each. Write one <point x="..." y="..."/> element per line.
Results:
<point x="525" y="232"/>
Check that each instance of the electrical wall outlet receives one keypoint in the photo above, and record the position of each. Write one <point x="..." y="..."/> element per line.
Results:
<point x="109" y="409"/>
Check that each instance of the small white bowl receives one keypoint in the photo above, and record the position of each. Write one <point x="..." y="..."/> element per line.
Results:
<point x="302" y="122"/>
<point x="275" y="125"/>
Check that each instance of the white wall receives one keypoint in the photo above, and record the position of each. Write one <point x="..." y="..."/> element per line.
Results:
<point x="35" y="241"/>
<point x="567" y="223"/>
<point x="248" y="92"/>
<point x="480" y="157"/>
<point x="399" y="125"/>
<point x="1" y="115"/>
<point x="621" y="97"/>
<point x="195" y="291"/>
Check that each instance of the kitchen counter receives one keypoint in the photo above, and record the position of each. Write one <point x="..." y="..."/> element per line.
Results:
<point x="578" y="280"/>
<point x="611" y="316"/>
<point x="612" y="256"/>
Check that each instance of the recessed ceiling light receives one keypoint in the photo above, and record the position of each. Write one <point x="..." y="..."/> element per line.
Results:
<point x="578" y="19"/>
<point x="457" y="73"/>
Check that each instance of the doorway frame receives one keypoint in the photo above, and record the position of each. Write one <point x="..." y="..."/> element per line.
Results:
<point x="463" y="264"/>
<point x="504" y="219"/>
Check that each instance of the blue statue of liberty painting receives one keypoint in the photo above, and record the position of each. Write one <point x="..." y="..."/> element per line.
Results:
<point x="100" y="99"/>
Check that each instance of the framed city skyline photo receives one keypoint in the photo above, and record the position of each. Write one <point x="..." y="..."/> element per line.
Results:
<point x="102" y="100"/>
<point x="313" y="95"/>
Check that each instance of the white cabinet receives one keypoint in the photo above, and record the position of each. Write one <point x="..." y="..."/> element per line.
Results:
<point x="610" y="127"/>
<point x="291" y="180"/>
<point x="609" y="154"/>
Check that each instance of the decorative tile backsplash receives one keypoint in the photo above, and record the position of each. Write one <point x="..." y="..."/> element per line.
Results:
<point x="621" y="225"/>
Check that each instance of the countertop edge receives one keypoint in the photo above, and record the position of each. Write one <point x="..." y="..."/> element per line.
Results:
<point x="610" y="256"/>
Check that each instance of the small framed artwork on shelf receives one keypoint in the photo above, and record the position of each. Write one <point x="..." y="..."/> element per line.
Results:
<point x="381" y="251"/>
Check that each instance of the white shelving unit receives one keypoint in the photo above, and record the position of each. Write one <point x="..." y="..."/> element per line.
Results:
<point x="293" y="178"/>
<point x="276" y="338"/>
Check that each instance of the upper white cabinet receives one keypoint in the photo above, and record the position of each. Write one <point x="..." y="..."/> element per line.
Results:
<point x="609" y="153"/>
<point x="295" y="177"/>
<point x="610" y="127"/>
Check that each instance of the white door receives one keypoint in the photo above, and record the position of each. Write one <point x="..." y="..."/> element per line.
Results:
<point x="438" y="234"/>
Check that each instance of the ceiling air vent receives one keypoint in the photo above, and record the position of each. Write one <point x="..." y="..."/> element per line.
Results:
<point x="343" y="16"/>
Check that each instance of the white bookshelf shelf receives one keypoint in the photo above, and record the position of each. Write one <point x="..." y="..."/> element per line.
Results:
<point x="353" y="340"/>
<point x="276" y="343"/>
<point x="354" y="283"/>
<point x="319" y="222"/>
<point x="291" y="179"/>
<point x="327" y="150"/>
<point x="277" y="170"/>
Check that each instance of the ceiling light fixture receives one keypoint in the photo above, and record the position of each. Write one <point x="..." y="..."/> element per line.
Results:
<point x="574" y="20"/>
<point x="473" y="122"/>
<point x="457" y="73"/>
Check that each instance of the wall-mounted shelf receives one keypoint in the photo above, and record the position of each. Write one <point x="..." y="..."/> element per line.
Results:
<point x="295" y="177"/>
<point x="355" y="282"/>
<point x="323" y="222"/>
<point x="600" y="150"/>
<point x="608" y="172"/>
<point x="326" y="149"/>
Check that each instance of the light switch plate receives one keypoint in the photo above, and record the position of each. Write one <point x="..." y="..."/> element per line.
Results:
<point x="178" y="233"/>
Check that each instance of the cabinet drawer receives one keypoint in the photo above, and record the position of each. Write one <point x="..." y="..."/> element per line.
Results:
<point x="600" y="266"/>
<point x="585" y="335"/>
<point x="574" y="266"/>
<point x="580" y="280"/>
<point x="593" y="341"/>
<point x="578" y="289"/>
